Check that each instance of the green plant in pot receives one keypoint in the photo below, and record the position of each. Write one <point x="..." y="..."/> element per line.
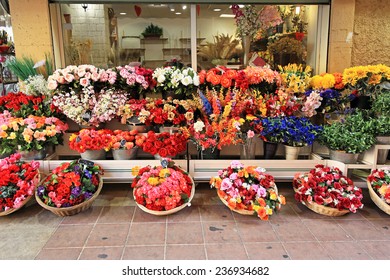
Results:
<point x="347" y="140"/>
<point x="152" y="31"/>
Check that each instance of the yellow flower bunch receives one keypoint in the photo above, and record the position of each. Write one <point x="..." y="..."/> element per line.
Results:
<point x="324" y="81"/>
<point x="365" y="76"/>
<point x="295" y="78"/>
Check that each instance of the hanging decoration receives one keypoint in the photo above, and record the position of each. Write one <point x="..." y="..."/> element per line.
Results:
<point x="137" y="10"/>
<point x="198" y="9"/>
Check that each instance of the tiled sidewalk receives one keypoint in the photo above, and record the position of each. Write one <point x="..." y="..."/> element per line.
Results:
<point x="114" y="228"/>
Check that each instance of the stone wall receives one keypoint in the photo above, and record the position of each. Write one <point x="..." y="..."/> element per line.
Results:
<point x="371" y="40"/>
<point x="89" y="25"/>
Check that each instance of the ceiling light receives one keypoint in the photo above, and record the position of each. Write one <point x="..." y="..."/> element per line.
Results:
<point x="123" y="14"/>
<point x="217" y="10"/>
<point x="172" y="9"/>
<point x="227" y="16"/>
<point x="240" y="6"/>
<point x="184" y="7"/>
<point x="178" y="13"/>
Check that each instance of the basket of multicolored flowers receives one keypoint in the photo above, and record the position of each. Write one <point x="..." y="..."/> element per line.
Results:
<point x="71" y="187"/>
<point x="326" y="191"/>
<point x="378" y="183"/>
<point x="18" y="180"/>
<point x="162" y="190"/>
<point x="248" y="190"/>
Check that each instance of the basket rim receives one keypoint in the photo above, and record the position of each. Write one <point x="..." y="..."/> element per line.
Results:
<point x="27" y="199"/>
<point x="242" y="211"/>
<point x="323" y="210"/>
<point x="171" y="211"/>
<point x="377" y="200"/>
<point x="71" y="208"/>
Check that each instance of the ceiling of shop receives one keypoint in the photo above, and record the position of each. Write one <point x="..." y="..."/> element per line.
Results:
<point x="165" y="10"/>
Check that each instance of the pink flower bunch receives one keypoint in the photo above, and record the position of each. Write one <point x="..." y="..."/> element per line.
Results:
<point x="269" y="16"/>
<point x="134" y="78"/>
<point x="313" y="101"/>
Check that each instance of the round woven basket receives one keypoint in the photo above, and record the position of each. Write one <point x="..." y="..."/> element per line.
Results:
<point x="27" y="199"/>
<point x="171" y="211"/>
<point x="377" y="200"/>
<point x="240" y="211"/>
<point x="69" y="211"/>
<point x="324" y="210"/>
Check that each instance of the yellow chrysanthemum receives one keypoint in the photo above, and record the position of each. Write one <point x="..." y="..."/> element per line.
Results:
<point x="164" y="173"/>
<point x="135" y="170"/>
<point x="153" y="181"/>
<point x="328" y="81"/>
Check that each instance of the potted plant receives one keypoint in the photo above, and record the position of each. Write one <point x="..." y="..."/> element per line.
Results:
<point x="92" y="144"/>
<point x="70" y="188"/>
<point x="348" y="139"/>
<point x="152" y="31"/>
<point x="248" y="190"/>
<point x="30" y="136"/>
<point x="380" y="109"/>
<point x="379" y="188"/>
<point x="18" y="180"/>
<point x="123" y="144"/>
<point x="326" y="191"/>
<point x="178" y="83"/>
<point x="163" y="189"/>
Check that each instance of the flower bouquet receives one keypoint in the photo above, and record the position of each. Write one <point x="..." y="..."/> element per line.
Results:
<point x="18" y="180"/>
<point x="164" y="144"/>
<point x="379" y="188"/>
<point x="30" y="135"/>
<point x="162" y="190"/>
<point x="248" y="190"/>
<point x="70" y="188"/>
<point x="89" y="139"/>
<point x="326" y="191"/>
<point x="124" y="143"/>
<point x="182" y="82"/>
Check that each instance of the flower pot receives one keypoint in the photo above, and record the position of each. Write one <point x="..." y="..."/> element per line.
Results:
<point x="343" y="157"/>
<point x="93" y="154"/>
<point x="33" y="155"/>
<point x="382" y="153"/>
<point x="246" y="46"/>
<point x="209" y="153"/>
<point x="291" y="152"/>
<point x="141" y="128"/>
<point x="269" y="149"/>
<point x="125" y="154"/>
<point x="248" y="150"/>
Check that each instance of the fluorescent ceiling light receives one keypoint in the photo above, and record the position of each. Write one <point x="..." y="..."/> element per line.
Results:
<point x="227" y="16"/>
<point x="123" y="14"/>
<point x="172" y="9"/>
<point x="217" y="10"/>
<point x="178" y="13"/>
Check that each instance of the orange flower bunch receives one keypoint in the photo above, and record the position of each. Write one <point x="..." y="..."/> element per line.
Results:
<point x="218" y="77"/>
<point x="126" y="140"/>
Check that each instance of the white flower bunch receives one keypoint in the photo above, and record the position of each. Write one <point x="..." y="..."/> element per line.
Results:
<point x="36" y="85"/>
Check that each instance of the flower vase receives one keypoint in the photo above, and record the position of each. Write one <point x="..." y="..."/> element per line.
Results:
<point x="343" y="156"/>
<point x="33" y="155"/>
<point x="292" y="152"/>
<point x="248" y="150"/>
<point x="209" y="153"/>
<point x="246" y="46"/>
<point x="382" y="153"/>
<point x="269" y="149"/>
<point x="125" y="154"/>
<point x="93" y="154"/>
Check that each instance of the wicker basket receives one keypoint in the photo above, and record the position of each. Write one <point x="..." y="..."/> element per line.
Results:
<point x="240" y="211"/>
<point x="11" y="210"/>
<point x="324" y="210"/>
<point x="377" y="200"/>
<point x="69" y="211"/>
<point x="171" y="211"/>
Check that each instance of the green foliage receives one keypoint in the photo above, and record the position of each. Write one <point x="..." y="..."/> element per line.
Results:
<point x="382" y="125"/>
<point x="354" y="136"/>
<point x="381" y="104"/>
<point x="24" y="67"/>
<point x="152" y="29"/>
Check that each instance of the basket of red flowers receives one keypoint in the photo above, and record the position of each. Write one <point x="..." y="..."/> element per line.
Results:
<point x="326" y="191"/>
<point x="18" y="180"/>
<point x="164" y="144"/>
<point x="162" y="190"/>
<point x="379" y="188"/>
<point x="70" y="188"/>
<point x="248" y="190"/>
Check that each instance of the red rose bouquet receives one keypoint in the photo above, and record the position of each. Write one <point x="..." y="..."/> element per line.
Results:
<point x="90" y="139"/>
<point x="327" y="186"/>
<point x="164" y="144"/>
<point x="18" y="180"/>
<point x="248" y="190"/>
<point x="380" y="183"/>
<point x="70" y="184"/>
<point x="162" y="188"/>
